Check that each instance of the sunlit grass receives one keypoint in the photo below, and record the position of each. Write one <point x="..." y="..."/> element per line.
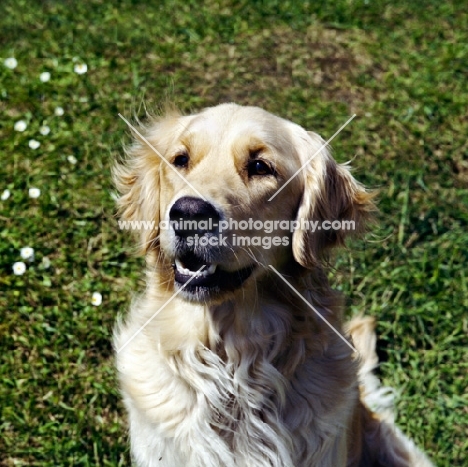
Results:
<point x="65" y="74"/>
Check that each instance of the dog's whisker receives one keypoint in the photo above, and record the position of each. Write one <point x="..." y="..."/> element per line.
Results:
<point x="251" y="254"/>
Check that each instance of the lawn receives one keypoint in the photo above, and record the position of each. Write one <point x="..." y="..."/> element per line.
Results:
<point x="68" y="68"/>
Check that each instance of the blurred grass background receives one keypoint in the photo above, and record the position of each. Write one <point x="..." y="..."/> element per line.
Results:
<point x="401" y="67"/>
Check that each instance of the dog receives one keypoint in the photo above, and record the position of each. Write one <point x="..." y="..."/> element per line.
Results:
<point x="237" y="354"/>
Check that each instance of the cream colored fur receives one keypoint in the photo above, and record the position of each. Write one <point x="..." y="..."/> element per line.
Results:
<point x="251" y="378"/>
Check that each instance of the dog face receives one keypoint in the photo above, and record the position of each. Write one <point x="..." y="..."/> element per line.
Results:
<point x="224" y="186"/>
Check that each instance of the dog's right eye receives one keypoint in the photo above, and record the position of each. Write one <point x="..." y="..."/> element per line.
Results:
<point x="181" y="160"/>
<point x="259" y="167"/>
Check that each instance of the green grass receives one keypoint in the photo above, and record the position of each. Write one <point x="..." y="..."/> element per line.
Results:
<point x="401" y="68"/>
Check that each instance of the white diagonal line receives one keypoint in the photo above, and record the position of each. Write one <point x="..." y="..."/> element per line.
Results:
<point x="162" y="158"/>
<point x="312" y="307"/>
<point x="306" y="163"/>
<point x="155" y="314"/>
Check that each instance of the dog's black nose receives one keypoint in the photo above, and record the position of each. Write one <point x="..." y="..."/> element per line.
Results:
<point x="190" y="216"/>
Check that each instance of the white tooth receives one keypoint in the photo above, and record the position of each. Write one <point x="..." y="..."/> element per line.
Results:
<point x="182" y="270"/>
<point x="203" y="273"/>
<point x="211" y="269"/>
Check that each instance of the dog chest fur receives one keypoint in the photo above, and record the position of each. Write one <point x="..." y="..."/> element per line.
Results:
<point x="242" y="402"/>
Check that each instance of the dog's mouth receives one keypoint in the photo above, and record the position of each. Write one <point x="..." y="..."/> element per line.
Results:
<point x="204" y="279"/>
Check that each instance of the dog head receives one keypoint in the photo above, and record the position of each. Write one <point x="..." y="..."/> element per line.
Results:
<point x="231" y="190"/>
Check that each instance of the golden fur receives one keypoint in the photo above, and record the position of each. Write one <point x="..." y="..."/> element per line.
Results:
<point x="249" y="376"/>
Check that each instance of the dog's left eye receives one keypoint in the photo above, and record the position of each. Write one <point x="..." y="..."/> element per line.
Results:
<point x="258" y="167"/>
<point x="181" y="160"/>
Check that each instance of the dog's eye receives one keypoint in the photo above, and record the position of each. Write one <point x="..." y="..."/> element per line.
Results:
<point x="258" y="167"/>
<point x="181" y="160"/>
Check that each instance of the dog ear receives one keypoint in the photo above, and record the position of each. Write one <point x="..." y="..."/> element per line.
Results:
<point x="137" y="178"/>
<point x="332" y="201"/>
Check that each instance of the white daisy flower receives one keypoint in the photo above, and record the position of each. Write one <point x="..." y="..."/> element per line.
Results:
<point x="5" y="195"/>
<point x="19" y="268"/>
<point x="44" y="77"/>
<point x="27" y="253"/>
<point x="33" y="144"/>
<point x="20" y="125"/>
<point x="45" y="262"/>
<point x="81" y="68"/>
<point x="59" y="111"/>
<point x="44" y="130"/>
<point x="96" y="299"/>
<point x="11" y="63"/>
<point x="72" y="159"/>
<point x="34" y="192"/>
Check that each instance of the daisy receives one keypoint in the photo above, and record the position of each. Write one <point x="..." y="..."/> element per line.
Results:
<point x="20" y="125"/>
<point x="59" y="111"/>
<point x="11" y="63"/>
<point x="5" y="195"/>
<point x="44" y="130"/>
<point x="34" y="193"/>
<point x="44" y="77"/>
<point x="19" y="268"/>
<point x="27" y="253"/>
<point x="81" y="68"/>
<point x="96" y="299"/>
<point x="72" y="159"/>
<point x="33" y="144"/>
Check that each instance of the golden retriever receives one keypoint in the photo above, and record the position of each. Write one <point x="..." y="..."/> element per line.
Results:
<point x="236" y="354"/>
